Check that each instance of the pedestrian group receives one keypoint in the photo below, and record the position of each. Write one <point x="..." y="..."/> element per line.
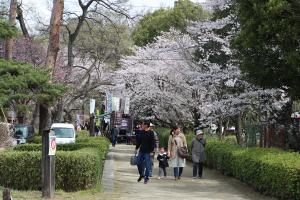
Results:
<point x="147" y="143"/>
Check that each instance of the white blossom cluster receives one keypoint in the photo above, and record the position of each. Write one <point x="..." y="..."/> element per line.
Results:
<point x="168" y="80"/>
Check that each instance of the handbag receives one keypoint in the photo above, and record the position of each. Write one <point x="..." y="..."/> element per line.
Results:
<point x="133" y="160"/>
<point x="182" y="152"/>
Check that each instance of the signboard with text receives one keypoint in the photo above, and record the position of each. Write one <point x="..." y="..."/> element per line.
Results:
<point x="52" y="144"/>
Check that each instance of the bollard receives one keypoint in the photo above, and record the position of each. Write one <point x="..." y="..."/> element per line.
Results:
<point x="48" y="164"/>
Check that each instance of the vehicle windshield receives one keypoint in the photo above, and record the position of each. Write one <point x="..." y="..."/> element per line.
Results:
<point x="63" y="132"/>
<point x="21" y="131"/>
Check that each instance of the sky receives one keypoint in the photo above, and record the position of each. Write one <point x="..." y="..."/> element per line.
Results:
<point x="41" y="9"/>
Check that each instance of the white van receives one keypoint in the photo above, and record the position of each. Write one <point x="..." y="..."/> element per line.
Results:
<point x="65" y="133"/>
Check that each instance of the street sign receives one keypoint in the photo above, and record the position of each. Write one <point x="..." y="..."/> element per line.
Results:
<point x="52" y="144"/>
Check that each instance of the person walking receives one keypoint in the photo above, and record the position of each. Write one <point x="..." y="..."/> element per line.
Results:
<point x="145" y="145"/>
<point x="162" y="158"/>
<point x="114" y="135"/>
<point x="176" y="140"/>
<point x="156" y="146"/>
<point x="198" y="154"/>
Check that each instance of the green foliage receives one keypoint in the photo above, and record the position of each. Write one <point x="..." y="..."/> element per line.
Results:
<point x="20" y="170"/>
<point x="270" y="171"/>
<point x="78" y="170"/>
<point x="268" y="43"/>
<point x="6" y="30"/>
<point x="78" y="166"/>
<point x="36" y="139"/>
<point x="152" y="24"/>
<point x="22" y="83"/>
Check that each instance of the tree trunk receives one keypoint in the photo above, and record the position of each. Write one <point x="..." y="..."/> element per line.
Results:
<point x="239" y="129"/>
<point x="196" y="118"/>
<point x="35" y="117"/>
<point x="53" y="46"/>
<point x="6" y="194"/>
<point x="70" y="53"/>
<point x="21" y="117"/>
<point x="52" y="51"/>
<point x="220" y="127"/>
<point x="12" y="22"/>
<point x="57" y="115"/>
<point x="20" y="18"/>
<point x="73" y="36"/>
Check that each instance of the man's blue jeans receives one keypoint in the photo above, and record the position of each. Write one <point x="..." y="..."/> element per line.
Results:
<point x="143" y="160"/>
<point x="114" y="140"/>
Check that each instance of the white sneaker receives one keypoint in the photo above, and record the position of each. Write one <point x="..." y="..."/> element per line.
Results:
<point x="158" y="177"/>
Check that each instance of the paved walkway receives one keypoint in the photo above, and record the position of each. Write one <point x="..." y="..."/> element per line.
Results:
<point x="120" y="180"/>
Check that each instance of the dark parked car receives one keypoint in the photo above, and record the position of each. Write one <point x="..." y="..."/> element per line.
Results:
<point x="23" y="133"/>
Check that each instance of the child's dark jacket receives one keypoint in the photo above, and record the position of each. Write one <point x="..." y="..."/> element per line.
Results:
<point x="163" y="160"/>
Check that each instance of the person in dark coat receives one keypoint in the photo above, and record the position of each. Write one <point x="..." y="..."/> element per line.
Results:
<point x="162" y="158"/>
<point x="114" y="135"/>
<point x="198" y="154"/>
<point x="145" y="144"/>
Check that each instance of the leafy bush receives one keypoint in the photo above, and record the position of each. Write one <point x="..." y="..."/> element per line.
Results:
<point x="79" y="169"/>
<point x="270" y="171"/>
<point x="78" y="166"/>
<point x="36" y="139"/>
<point x="20" y="170"/>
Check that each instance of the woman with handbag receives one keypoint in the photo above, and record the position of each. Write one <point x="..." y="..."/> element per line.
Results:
<point x="177" y="141"/>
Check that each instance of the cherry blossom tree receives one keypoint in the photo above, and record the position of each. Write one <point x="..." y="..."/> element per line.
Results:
<point x="195" y="78"/>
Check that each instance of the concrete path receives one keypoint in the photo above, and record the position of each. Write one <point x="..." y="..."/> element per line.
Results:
<point x="120" y="180"/>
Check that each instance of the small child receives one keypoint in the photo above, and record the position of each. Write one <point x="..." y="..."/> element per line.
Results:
<point x="162" y="158"/>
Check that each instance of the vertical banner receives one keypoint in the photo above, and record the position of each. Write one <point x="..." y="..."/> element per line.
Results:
<point x="78" y="122"/>
<point x="127" y="105"/>
<point x="115" y="104"/>
<point x="92" y="106"/>
<point x="108" y="108"/>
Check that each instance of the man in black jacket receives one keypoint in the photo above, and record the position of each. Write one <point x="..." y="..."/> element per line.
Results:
<point x="145" y="145"/>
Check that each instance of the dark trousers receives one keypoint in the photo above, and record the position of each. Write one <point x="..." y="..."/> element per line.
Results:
<point x="197" y="169"/>
<point x="144" y="161"/>
<point x="177" y="171"/>
<point x="114" y="140"/>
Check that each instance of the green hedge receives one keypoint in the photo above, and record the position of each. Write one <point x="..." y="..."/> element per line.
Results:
<point x="20" y="170"/>
<point x="78" y="166"/>
<point x="270" y="171"/>
<point x="78" y="170"/>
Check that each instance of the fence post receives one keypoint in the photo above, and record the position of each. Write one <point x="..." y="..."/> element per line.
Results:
<point x="48" y="167"/>
<point x="6" y="194"/>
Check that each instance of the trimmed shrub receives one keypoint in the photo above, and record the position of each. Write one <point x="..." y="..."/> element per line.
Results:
<point x="270" y="171"/>
<point x="78" y="170"/>
<point x="20" y="170"/>
<point x="36" y="139"/>
<point x="78" y="166"/>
